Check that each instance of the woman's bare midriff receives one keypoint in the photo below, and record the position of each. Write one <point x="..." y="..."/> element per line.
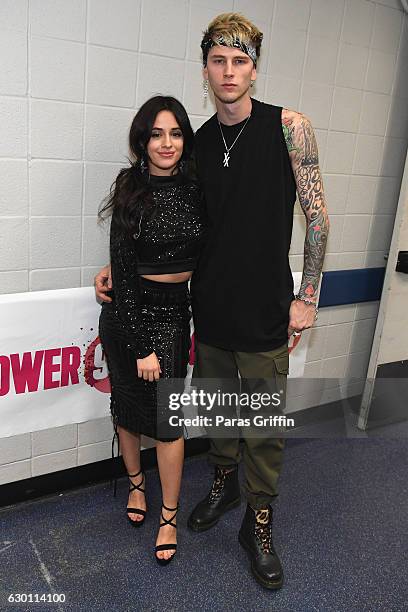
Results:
<point x="179" y="277"/>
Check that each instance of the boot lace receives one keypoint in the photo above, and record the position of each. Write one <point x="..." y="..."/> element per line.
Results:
<point x="263" y="530"/>
<point x="218" y="484"/>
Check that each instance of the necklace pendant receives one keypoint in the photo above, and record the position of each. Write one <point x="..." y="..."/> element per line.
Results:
<point x="226" y="159"/>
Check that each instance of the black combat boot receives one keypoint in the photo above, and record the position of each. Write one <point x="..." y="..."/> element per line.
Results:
<point x="255" y="536"/>
<point x="224" y="495"/>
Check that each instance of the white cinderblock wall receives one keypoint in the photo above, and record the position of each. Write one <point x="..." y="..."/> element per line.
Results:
<point x="72" y="76"/>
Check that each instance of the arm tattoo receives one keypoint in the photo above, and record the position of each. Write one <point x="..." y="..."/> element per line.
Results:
<point x="305" y="164"/>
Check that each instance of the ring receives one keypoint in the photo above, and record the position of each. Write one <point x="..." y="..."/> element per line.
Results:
<point x="295" y="333"/>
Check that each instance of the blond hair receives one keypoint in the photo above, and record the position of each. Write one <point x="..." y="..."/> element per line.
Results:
<point x="230" y="28"/>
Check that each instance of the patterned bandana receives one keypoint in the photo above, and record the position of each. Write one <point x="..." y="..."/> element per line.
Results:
<point x="208" y="43"/>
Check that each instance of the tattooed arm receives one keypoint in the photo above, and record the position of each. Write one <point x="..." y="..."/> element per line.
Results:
<point x="302" y="147"/>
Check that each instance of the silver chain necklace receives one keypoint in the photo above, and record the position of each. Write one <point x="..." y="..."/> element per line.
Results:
<point x="228" y="149"/>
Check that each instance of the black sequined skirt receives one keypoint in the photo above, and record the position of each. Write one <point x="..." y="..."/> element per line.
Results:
<point x="165" y="321"/>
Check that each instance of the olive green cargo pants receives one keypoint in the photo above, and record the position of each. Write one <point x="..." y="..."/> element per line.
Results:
<point x="262" y="455"/>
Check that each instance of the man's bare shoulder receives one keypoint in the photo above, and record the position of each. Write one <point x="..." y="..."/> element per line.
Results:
<point x="294" y="126"/>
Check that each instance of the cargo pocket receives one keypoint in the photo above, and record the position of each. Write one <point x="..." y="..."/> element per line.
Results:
<point x="281" y="373"/>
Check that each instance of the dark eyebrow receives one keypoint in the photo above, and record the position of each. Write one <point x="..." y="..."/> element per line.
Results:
<point x="161" y="129"/>
<point x="224" y="56"/>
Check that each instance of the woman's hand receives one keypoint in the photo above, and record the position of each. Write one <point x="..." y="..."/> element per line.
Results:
<point x="103" y="284"/>
<point x="149" y="368"/>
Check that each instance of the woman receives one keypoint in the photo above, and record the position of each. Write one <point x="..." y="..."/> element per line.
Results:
<point x="155" y="237"/>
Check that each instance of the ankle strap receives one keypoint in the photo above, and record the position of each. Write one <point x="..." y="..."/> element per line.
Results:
<point x="171" y="509"/>
<point x="134" y="475"/>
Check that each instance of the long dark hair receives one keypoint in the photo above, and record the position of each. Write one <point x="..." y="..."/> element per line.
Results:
<point x="131" y="194"/>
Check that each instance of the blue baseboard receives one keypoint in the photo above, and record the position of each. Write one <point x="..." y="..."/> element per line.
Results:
<point x="351" y="286"/>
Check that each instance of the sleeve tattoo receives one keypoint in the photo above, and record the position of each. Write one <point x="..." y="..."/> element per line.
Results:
<point x="303" y="152"/>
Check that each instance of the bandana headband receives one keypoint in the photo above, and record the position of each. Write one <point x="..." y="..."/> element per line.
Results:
<point x="209" y="42"/>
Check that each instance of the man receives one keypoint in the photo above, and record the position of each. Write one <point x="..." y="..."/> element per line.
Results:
<point x="252" y="158"/>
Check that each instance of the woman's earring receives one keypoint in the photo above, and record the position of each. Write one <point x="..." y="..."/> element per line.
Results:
<point x="182" y="165"/>
<point x="205" y="89"/>
<point x="143" y="166"/>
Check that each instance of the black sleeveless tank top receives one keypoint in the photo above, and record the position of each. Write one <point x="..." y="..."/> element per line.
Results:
<point x="243" y="287"/>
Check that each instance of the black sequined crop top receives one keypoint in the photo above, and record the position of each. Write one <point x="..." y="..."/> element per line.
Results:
<point x="170" y="240"/>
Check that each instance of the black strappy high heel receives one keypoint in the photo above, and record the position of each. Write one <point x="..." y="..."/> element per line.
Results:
<point x="132" y="487"/>
<point x="167" y="546"/>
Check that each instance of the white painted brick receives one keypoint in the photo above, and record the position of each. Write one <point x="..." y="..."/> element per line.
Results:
<point x="336" y="189"/>
<point x="14" y="282"/>
<point x="115" y="24"/>
<point x="340" y="150"/>
<point x="387" y="194"/>
<point x="56" y="129"/>
<point x="258" y="11"/>
<point x="381" y="71"/>
<point x="60" y="278"/>
<point x="296" y="263"/>
<point x="225" y="6"/>
<point x="58" y="19"/>
<point x="398" y="119"/>
<point x="13" y="15"/>
<point x="200" y="16"/>
<point x="351" y="261"/>
<point x="94" y="452"/>
<point x="13" y="73"/>
<point x="332" y="262"/>
<point x="358" y="22"/>
<point x="20" y="470"/>
<point x="380" y="232"/>
<point x="54" y="439"/>
<point x="111" y="76"/>
<point x="159" y="75"/>
<point x="98" y="180"/>
<point x="107" y="132"/>
<point x="321" y="60"/>
<point x="88" y="274"/>
<point x="160" y="18"/>
<point x="293" y="12"/>
<point x="15" y="448"/>
<point x="56" y="188"/>
<point x="316" y="345"/>
<point x="362" y="337"/>
<point x="333" y="369"/>
<point x="338" y="339"/>
<point x="361" y="196"/>
<point x="341" y="314"/>
<point x="375" y="259"/>
<point x="352" y="66"/>
<point x="193" y="96"/>
<point x="357" y="364"/>
<point x="55" y="242"/>
<point x="13" y="121"/>
<point x="316" y="103"/>
<point x="326" y="17"/>
<point x="95" y="243"/>
<point x="355" y="232"/>
<point x="13" y="243"/>
<point x="367" y="310"/>
<point x="282" y="91"/>
<point x="346" y="109"/>
<point x="57" y="69"/>
<point x="281" y="62"/>
<point x="387" y="29"/>
<point x="54" y="462"/>
<point x="98" y="430"/>
<point x="375" y="114"/>
<point x="393" y="158"/>
<point x="368" y="154"/>
<point x="13" y="194"/>
<point x="323" y="317"/>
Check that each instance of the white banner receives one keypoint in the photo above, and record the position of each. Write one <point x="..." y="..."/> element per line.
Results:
<point x="52" y="368"/>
